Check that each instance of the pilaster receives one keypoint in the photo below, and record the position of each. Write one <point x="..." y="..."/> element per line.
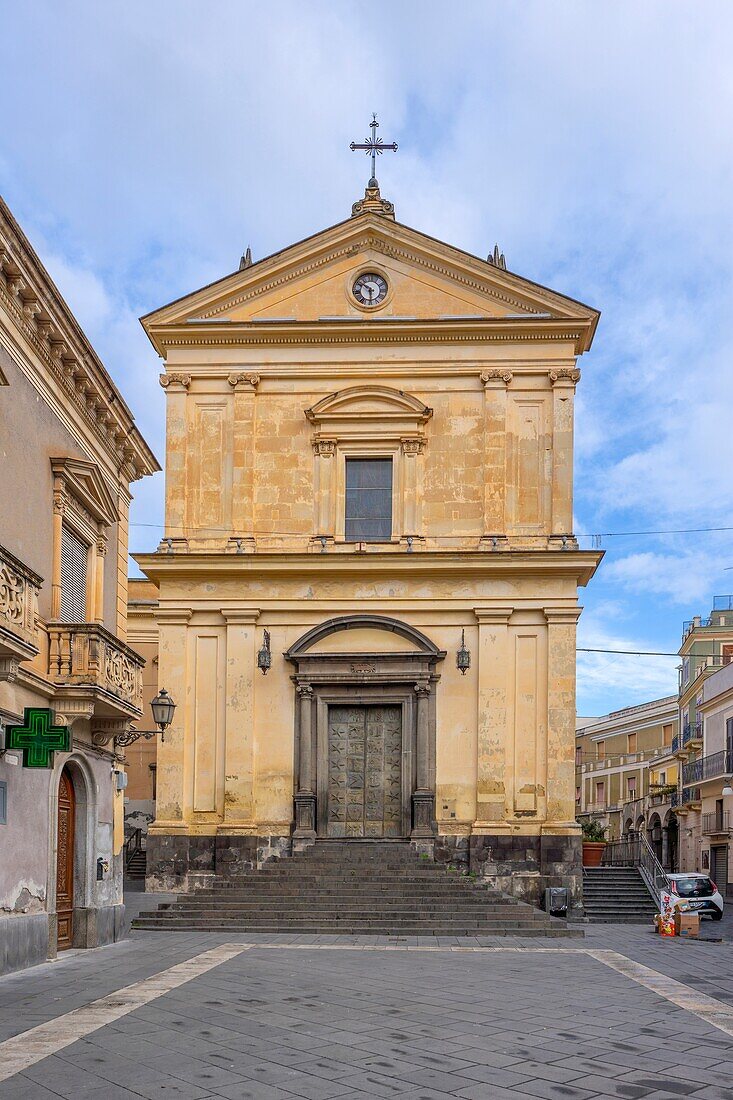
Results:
<point x="563" y="399"/>
<point x="240" y="717"/>
<point x="495" y="383"/>
<point x="243" y="452"/>
<point x="493" y="656"/>
<point x="176" y="435"/>
<point x="561" y="635"/>
<point x="171" y="752"/>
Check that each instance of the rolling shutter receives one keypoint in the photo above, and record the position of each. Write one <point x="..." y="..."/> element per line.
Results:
<point x="73" y="578"/>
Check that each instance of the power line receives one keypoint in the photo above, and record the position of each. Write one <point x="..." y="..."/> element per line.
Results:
<point x="628" y="652"/>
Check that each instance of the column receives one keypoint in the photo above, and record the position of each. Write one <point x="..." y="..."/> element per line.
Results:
<point x="241" y="660"/>
<point x="243" y="453"/>
<point x="176" y="435"/>
<point x="411" y="485"/>
<point x="59" y="506"/>
<point x="423" y="798"/>
<point x="325" y="459"/>
<point x="493" y="735"/>
<point x="101" y="552"/>
<point x="561" y="631"/>
<point x="563" y="394"/>
<point x="495" y="383"/>
<point x="305" y="799"/>
<point x="173" y="800"/>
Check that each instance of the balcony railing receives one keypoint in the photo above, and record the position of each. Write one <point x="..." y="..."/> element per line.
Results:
<point x="86" y="653"/>
<point x="708" y="767"/>
<point x="19" y="587"/>
<point x="716" y="823"/>
<point x="690" y="794"/>
<point x="676" y="743"/>
<point x="674" y="799"/>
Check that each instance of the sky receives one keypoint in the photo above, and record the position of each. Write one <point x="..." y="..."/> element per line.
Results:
<point x="144" y="146"/>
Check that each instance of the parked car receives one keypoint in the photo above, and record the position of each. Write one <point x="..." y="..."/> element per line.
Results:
<point x="699" y="891"/>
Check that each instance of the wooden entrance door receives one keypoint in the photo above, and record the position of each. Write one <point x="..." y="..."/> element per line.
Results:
<point x="65" y="861"/>
<point x="364" y="771"/>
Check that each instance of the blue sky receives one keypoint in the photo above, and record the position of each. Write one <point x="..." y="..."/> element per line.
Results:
<point x="144" y="146"/>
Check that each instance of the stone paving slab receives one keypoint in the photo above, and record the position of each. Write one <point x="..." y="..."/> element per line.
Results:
<point x="337" y="1020"/>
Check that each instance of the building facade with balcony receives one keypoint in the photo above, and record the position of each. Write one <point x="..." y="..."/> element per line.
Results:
<point x="626" y="775"/>
<point x="70" y="453"/>
<point x="141" y="757"/>
<point x="706" y="650"/>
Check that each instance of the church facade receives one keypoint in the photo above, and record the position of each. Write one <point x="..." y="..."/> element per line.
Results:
<point x="368" y="581"/>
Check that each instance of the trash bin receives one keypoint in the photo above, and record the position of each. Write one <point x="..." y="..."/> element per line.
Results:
<point x="556" y="901"/>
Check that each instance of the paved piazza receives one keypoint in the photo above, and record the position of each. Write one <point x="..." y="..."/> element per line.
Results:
<point x="195" y="1016"/>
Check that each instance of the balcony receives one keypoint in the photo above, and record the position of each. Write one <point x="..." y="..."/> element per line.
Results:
<point x="97" y="676"/>
<point x="691" y="798"/>
<point x="19" y="588"/>
<point x="721" y="605"/>
<point x="716" y="824"/>
<point x="674" y="800"/>
<point x="708" y="767"/>
<point x="675" y="744"/>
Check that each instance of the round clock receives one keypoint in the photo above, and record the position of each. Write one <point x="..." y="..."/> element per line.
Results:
<point x="370" y="289"/>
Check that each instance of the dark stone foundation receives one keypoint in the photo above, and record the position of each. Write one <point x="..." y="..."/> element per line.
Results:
<point x="178" y="863"/>
<point x="524" y="866"/>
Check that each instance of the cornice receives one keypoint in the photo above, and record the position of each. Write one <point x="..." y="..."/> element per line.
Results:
<point x="34" y="305"/>
<point x="577" y="564"/>
<point x="358" y="333"/>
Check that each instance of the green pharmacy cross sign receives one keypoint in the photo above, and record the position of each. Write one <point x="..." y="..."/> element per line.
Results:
<point x="38" y="738"/>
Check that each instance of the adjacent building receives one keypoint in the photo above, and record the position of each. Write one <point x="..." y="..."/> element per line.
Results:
<point x="369" y="485"/>
<point x="706" y="650"/>
<point x="69" y="681"/>
<point x="626" y="775"/>
<point x="140" y="757"/>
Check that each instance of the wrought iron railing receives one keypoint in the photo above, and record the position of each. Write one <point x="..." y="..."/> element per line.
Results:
<point x="686" y="733"/>
<point x="690" y="794"/>
<point x="636" y="851"/>
<point x="674" y="799"/>
<point x="676" y="743"/>
<point x="723" y="603"/>
<point x="133" y="845"/>
<point x="708" y="767"/>
<point x="716" y="822"/>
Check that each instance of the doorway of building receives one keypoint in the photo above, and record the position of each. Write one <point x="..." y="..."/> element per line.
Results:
<point x="65" y="861"/>
<point x="364" y="771"/>
<point x="719" y="867"/>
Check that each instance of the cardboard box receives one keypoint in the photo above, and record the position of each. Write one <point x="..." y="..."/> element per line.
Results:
<point x="687" y="924"/>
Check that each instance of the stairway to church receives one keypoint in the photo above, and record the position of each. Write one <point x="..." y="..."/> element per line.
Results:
<point x="616" y="895"/>
<point x="355" y="887"/>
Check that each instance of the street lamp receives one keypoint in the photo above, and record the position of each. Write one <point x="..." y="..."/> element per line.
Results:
<point x="264" y="656"/>
<point x="727" y="789"/>
<point x="163" y="709"/>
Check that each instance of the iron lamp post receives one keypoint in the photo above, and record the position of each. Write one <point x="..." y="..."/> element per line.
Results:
<point x="163" y="709"/>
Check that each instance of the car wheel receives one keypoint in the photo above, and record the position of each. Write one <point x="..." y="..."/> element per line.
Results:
<point x="717" y="915"/>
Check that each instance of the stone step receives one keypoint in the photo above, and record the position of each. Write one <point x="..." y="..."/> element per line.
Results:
<point x="421" y="913"/>
<point x="374" y="928"/>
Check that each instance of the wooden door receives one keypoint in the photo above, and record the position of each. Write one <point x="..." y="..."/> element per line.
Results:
<point x="65" y="861"/>
<point x="364" y="771"/>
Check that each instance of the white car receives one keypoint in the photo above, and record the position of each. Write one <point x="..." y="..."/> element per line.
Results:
<point x="699" y="891"/>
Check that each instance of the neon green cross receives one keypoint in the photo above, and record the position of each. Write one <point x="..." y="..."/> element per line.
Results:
<point x="38" y="738"/>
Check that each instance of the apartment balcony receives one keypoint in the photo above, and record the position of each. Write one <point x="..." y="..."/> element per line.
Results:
<point x="691" y="799"/>
<point x="19" y="588"/>
<point x="660" y="793"/>
<point x="97" y="677"/>
<point x="714" y="766"/>
<point x="675" y="800"/>
<point x="716" y="824"/>
<point x="720" y="617"/>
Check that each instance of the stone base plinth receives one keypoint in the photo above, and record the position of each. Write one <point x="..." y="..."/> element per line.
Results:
<point x="524" y="866"/>
<point x="177" y="862"/>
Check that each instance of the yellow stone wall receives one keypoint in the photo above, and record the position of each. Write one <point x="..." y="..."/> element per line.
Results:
<point x="469" y="388"/>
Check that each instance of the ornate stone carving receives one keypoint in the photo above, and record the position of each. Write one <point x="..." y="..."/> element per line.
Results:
<point x="326" y="448"/>
<point x="565" y="374"/>
<point x="496" y="375"/>
<point x="412" y="446"/>
<point x="239" y="378"/>
<point x="87" y="654"/>
<point x="182" y="380"/>
<point x="18" y="608"/>
<point x="497" y="258"/>
<point x="373" y="203"/>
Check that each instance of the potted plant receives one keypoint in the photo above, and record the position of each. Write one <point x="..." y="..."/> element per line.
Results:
<point x="594" y="841"/>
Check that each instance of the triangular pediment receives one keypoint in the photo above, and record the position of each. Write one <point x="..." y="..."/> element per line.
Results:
<point x="84" y="481"/>
<point x="312" y="282"/>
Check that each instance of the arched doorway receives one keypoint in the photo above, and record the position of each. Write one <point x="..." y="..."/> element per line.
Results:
<point x="671" y="831"/>
<point x="654" y="836"/>
<point x="365" y="721"/>
<point x="65" y="850"/>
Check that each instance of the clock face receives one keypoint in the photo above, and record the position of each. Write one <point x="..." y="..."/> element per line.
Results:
<point x="370" y="289"/>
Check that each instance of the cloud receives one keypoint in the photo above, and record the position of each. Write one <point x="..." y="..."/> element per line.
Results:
<point x="680" y="578"/>
<point x="625" y="679"/>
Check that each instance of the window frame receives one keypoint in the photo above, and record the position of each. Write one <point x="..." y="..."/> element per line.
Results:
<point x="367" y="459"/>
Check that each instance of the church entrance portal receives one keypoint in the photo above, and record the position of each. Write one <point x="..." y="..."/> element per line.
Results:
<point x="364" y="771"/>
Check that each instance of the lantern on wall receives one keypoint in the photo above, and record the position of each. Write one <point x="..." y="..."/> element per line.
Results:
<point x="463" y="656"/>
<point x="264" y="656"/>
<point x="163" y="709"/>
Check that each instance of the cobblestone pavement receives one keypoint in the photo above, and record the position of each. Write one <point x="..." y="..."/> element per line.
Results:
<point x="313" y="1016"/>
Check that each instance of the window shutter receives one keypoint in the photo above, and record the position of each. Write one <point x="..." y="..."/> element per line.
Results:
<point x="73" y="578"/>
